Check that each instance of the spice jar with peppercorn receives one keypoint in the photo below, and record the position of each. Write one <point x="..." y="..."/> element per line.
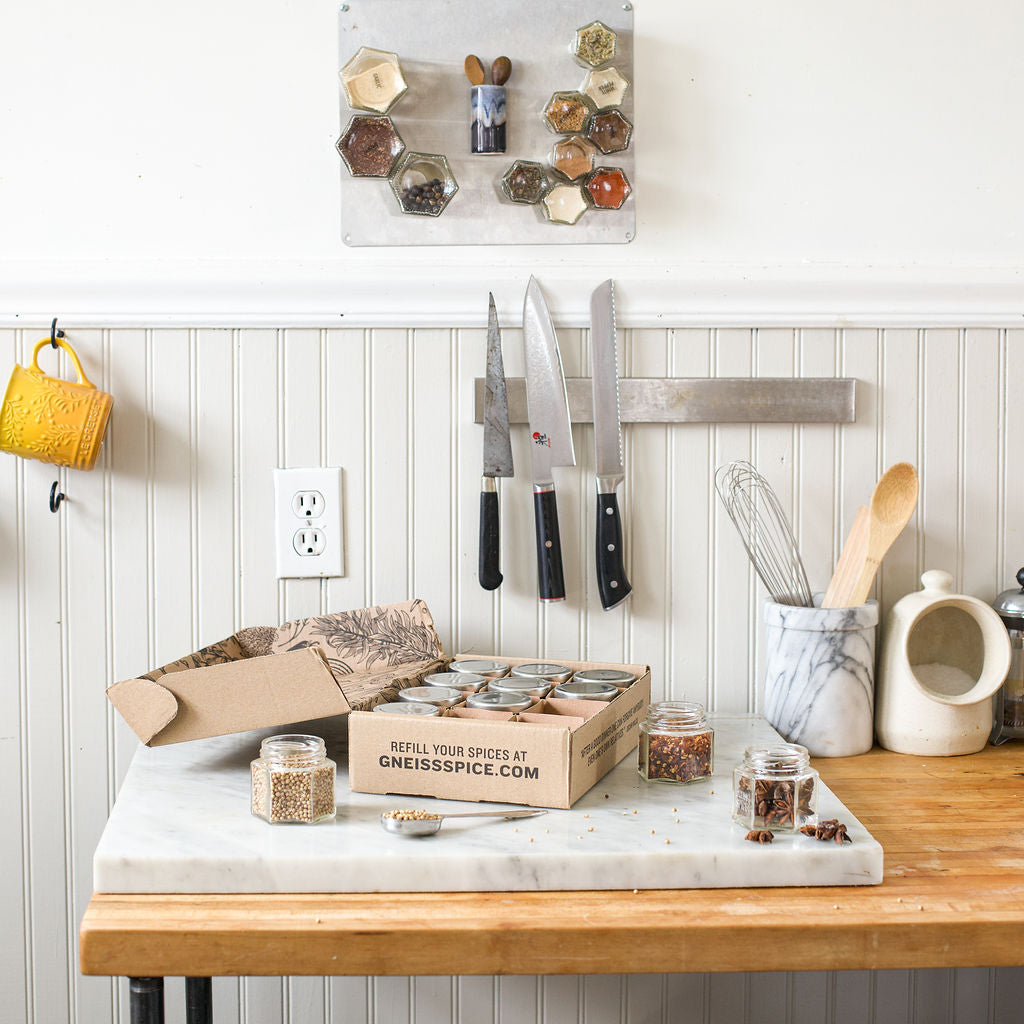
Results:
<point x="775" y="788"/>
<point x="293" y="780"/>
<point x="676" y="743"/>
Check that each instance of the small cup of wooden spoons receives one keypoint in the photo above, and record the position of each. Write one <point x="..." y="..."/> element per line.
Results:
<point x="487" y="104"/>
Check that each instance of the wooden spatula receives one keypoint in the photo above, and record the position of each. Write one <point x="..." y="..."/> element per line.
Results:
<point x="850" y="561"/>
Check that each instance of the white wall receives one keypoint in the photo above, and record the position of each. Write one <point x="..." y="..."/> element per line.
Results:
<point x="166" y="546"/>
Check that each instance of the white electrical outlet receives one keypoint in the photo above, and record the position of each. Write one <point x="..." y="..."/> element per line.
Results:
<point x="308" y="523"/>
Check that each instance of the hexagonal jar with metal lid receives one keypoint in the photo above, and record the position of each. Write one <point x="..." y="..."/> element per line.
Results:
<point x="373" y="80"/>
<point x="525" y="182"/>
<point x="370" y="145"/>
<point x="567" y="113"/>
<point x="564" y="204"/>
<point x="594" y="44"/>
<point x="572" y="157"/>
<point x="608" y="188"/>
<point x="423" y="183"/>
<point x="605" y="87"/>
<point x="610" y="131"/>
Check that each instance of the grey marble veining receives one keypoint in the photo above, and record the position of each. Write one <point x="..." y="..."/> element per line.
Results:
<point x="181" y="823"/>
<point x="820" y="676"/>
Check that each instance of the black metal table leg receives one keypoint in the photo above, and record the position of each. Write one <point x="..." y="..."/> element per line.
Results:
<point x="146" y="1000"/>
<point x="199" y="1001"/>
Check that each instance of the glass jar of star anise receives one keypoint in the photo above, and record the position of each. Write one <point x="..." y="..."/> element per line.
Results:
<point x="676" y="743"/>
<point x="775" y="788"/>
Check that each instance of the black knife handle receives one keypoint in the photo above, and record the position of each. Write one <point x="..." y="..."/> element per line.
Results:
<point x="487" y="569"/>
<point x="611" y="573"/>
<point x="549" y="545"/>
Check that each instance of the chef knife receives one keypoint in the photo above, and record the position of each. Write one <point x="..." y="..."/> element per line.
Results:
<point x="550" y="435"/>
<point x="497" y="454"/>
<point x="612" y="583"/>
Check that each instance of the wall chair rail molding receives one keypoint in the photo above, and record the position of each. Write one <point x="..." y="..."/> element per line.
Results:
<point x="400" y="293"/>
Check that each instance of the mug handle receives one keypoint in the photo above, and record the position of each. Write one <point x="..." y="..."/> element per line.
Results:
<point x="82" y="379"/>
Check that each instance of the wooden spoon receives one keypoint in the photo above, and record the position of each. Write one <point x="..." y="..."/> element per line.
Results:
<point x="474" y="69"/>
<point x="500" y="71"/>
<point x="892" y="504"/>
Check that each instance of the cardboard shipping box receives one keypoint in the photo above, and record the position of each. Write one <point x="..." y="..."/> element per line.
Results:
<point x="275" y="675"/>
<point x="548" y="756"/>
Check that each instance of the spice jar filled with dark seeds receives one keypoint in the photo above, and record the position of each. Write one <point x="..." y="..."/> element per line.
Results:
<point x="676" y="743"/>
<point x="423" y="183"/>
<point x="293" y="780"/>
<point x="775" y="788"/>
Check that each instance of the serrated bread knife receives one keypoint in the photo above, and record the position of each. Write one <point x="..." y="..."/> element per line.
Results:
<point x="497" y="455"/>
<point x="612" y="583"/>
<point x="550" y="435"/>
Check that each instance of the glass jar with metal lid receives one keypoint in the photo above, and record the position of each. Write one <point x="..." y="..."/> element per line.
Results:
<point x="486" y="667"/>
<point x="1009" y="701"/>
<point x="577" y="689"/>
<point x="775" y="788"/>
<point x="405" y="707"/>
<point x="615" y="676"/>
<point x="676" y="743"/>
<point x="551" y="671"/>
<point x="439" y="696"/>
<point x="491" y="700"/>
<point x="464" y="682"/>
<point x="293" y="780"/>
<point x="528" y="686"/>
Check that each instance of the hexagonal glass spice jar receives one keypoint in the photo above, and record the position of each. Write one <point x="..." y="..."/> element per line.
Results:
<point x="572" y="157"/>
<point x="608" y="188"/>
<point x="564" y="204"/>
<point x="676" y="744"/>
<point x="373" y="80"/>
<point x="525" y="182"/>
<point x="610" y="131"/>
<point x="370" y="145"/>
<point x="293" y="781"/>
<point x="567" y="113"/>
<point x="605" y="87"/>
<point x="775" y="788"/>
<point x="594" y="44"/>
<point x="423" y="183"/>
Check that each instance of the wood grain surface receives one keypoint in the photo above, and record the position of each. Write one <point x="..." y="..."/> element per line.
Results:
<point x="953" y="895"/>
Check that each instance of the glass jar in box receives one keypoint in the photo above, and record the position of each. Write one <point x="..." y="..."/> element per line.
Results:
<point x="293" y="780"/>
<point x="775" y="788"/>
<point x="676" y="743"/>
<point x="373" y="80"/>
<point x="1009" y="700"/>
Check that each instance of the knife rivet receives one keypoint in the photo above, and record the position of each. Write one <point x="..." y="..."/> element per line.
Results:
<point x="614" y="584"/>
<point x="609" y="512"/>
<point x="611" y="547"/>
<point x="547" y="543"/>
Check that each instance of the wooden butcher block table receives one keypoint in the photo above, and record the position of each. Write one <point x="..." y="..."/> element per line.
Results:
<point x="952" y="896"/>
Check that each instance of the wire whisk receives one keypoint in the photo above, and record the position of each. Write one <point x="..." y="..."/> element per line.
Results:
<point x="756" y="512"/>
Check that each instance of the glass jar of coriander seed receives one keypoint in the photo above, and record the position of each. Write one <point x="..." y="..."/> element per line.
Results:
<point x="676" y="743"/>
<point x="293" y="780"/>
<point x="775" y="788"/>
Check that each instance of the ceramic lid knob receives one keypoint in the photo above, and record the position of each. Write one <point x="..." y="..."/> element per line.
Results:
<point x="937" y="579"/>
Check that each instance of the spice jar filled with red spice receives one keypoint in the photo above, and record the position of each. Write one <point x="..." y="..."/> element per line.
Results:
<point x="676" y="743"/>
<point x="775" y="788"/>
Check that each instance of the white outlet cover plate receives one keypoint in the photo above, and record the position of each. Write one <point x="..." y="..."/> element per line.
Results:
<point x="330" y="522"/>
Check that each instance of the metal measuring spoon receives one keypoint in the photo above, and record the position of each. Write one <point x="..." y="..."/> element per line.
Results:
<point x="428" y="826"/>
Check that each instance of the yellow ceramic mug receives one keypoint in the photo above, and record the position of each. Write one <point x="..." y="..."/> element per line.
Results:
<point x="51" y="419"/>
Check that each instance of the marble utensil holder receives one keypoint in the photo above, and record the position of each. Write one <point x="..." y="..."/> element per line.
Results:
<point x="820" y="676"/>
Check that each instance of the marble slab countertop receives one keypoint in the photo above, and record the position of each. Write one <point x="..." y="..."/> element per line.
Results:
<point x="181" y="824"/>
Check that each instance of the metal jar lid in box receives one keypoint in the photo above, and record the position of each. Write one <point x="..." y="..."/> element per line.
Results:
<point x="492" y="700"/>
<point x="480" y="666"/>
<point x="615" y="676"/>
<point x="439" y="696"/>
<point x="574" y="690"/>
<point x="405" y="707"/>
<point x="539" y="670"/>
<point x="464" y="682"/>
<point x="526" y="685"/>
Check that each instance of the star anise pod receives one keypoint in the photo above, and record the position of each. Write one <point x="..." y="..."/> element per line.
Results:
<point x="831" y="828"/>
<point x="781" y="810"/>
<point x="759" y="835"/>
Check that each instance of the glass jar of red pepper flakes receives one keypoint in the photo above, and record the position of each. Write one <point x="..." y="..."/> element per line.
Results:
<point x="676" y="743"/>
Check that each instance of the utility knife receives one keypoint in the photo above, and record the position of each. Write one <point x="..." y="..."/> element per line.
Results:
<point x="612" y="583"/>
<point x="550" y="435"/>
<point x="497" y="455"/>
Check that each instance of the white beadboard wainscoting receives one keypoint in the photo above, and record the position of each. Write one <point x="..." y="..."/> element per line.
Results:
<point x="168" y="545"/>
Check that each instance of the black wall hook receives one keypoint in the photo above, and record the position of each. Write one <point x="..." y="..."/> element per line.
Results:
<point x="56" y="497"/>
<point x="54" y="335"/>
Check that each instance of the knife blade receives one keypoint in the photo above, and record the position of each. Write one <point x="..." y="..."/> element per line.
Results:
<point x="550" y="435"/>
<point x="612" y="583"/>
<point x="497" y="454"/>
